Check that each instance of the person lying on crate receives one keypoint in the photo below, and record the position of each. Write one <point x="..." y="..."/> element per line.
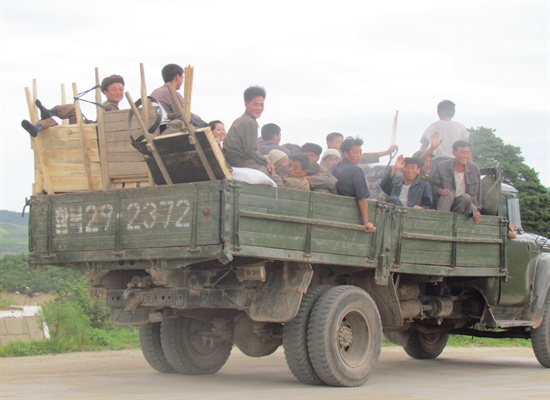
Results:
<point x="457" y="183"/>
<point x="111" y="86"/>
<point x="406" y="189"/>
<point x="351" y="180"/>
<point x="171" y="119"/>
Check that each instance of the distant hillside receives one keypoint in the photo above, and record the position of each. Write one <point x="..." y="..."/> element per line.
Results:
<point x="13" y="233"/>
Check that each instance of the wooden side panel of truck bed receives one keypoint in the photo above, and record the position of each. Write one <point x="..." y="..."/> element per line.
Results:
<point x="188" y="223"/>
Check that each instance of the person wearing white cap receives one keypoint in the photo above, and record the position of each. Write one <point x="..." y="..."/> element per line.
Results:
<point x="280" y="161"/>
<point x="330" y="158"/>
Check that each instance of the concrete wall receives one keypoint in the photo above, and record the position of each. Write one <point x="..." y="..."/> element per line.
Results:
<point x="22" y="323"/>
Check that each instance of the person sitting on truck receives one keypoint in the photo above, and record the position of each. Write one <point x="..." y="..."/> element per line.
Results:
<point x="351" y="180"/>
<point x="407" y="189"/>
<point x="330" y="158"/>
<point x="271" y="137"/>
<point x="297" y="171"/>
<point x="172" y="121"/>
<point x="320" y="178"/>
<point x="218" y="130"/>
<point x="280" y="162"/>
<point x="335" y="140"/>
<point x="240" y="146"/>
<point x="427" y="156"/>
<point x="111" y="86"/>
<point x="457" y="183"/>
<point x="449" y="131"/>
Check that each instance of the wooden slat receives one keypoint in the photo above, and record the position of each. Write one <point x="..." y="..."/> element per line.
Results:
<point x="101" y="135"/>
<point x="42" y="178"/>
<point x="129" y="169"/>
<point x="83" y="141"/>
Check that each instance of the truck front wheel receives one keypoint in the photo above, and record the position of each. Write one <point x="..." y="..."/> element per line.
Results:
<point x="540" y="337"/>
<point x="191" y="348"/>
<point x="344" y="336"/>
<point x="149" y="339"/>
<point x="426" y="346"/>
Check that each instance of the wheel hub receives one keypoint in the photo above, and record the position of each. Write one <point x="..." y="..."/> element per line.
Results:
<point x="345" y="337"/>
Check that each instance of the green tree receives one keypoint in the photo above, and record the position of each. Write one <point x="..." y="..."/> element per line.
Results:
<point x="488" y="150"/>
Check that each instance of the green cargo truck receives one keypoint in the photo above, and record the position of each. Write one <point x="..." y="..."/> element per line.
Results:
<point x="206" y="265"/>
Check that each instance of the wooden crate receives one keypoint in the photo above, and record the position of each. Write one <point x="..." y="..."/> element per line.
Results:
<point x="125" y="166"/>
<point x="62" y="166"/>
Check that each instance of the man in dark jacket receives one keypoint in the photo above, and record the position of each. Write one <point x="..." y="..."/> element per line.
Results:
<point x="407" y="190"/>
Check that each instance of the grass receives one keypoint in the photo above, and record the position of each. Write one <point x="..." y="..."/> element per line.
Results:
<point x="100" y="339"/>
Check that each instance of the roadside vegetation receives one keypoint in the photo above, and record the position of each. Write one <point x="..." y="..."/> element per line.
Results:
<point x="76" y="322"/>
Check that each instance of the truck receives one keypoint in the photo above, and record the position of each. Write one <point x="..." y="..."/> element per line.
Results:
<point x="203" y="265"/>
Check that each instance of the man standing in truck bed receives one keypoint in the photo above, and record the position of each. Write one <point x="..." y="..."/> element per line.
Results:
<point x="240" y="146"/>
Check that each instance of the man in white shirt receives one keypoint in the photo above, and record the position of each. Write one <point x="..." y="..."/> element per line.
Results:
<point x="449" y="132"/>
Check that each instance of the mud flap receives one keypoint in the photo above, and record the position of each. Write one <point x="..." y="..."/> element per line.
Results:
<point x="280" y="296"/>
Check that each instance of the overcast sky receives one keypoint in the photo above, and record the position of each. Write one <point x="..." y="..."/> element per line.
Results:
<point x="327" y="66"/>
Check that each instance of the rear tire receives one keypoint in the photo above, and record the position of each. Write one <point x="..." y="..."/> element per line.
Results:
<point x="426" y="346"/>
<point x="344" y="336"/>
<point x="295" y="339"/>
<point x="540" y="337"/>
<point x="149" y="339"/>
<point x="190" y="348"/>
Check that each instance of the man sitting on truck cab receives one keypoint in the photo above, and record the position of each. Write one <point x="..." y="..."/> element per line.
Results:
<point x="111" y="86"/>
<point x="407" y="190"/>
<point x="457" y="183"/>
<point x="351" y="179"/>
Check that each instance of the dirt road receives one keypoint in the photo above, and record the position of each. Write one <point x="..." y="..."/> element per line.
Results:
<point x="487" y="373"/>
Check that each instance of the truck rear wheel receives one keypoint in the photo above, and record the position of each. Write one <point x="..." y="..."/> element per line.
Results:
<point x="540" y="337"/>
<point x="149" y="340"/>
<point x="295" y="339"/>
<point x="191" y="348"/>
<point x="426" y="346"/>
<point x="344" y="336"/>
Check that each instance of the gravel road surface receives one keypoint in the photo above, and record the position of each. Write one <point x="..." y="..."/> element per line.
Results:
<point x="459" y="373"/>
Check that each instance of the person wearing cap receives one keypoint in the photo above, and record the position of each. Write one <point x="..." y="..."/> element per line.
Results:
<point x="111" y="86"/>
<point x="330" y="158"/>
<point x="280" y="161"/>
<point x="297" y="171"/>
<point x="271" y="136"/>
<point x="407" y="189"/>
<point x="351" y="180"/>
